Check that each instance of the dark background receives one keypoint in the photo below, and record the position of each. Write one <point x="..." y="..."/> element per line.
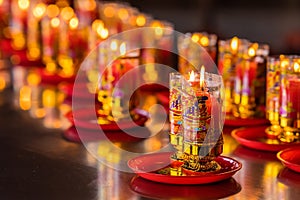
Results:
<point x="275" y="22"/>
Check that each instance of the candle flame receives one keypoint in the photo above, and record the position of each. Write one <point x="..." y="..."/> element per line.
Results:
<point x="202" y="71"/>
<point x="141" y="20"/>
<point x="195" y="37"/>
<point x="192" y="76"/>
<point x="204" y="41"/>
<point x="251" y="52"/>
<point x="73" y="23"/>
<point x="234" y="44"/>
<point x="296" y="67"/>
<point x="123" y="49"/>
<point x="39" y="10"/>
<point x="114" y="45"/>
<point x="23" y="4"/>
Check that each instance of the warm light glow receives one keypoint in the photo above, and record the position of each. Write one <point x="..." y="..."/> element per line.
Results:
<point x="55" y="22"/>
<point x="2" y="83"/>
<point x="19" y="41"/>
<point x="97" y="24"/>
<point x="114" y="45"/>
<point x="192" y="76"/>
<point x="296" y="67"/>
<point x="204" y="41"/>
<point x="123" y="14"/>
<point x="25" y="98"/>
<point x="109" y="11"/>
<point x="23" y="4"/>
<point x="123" y="49"/>
<point x="67" y="13"/>
<point x="48" y="97"/>
<point x="140" y="20"/>
<point x="39" y="10"/>
<point x="158" y="28"/>
<point x="52" y="11"/>
<point x="34" y="53"/>
<point x="103" y="33"/>
<point x="195" y="37"/>
<point x="51" y="67"/>
<point x="73" y="24"/>
<point x="251" y="52"/>
<point x="1" y="2"/>
<point x="234" y="44"/>
<point x="33" y="78"/>
<point x="202" y="72"/>
<point x="87" y="5"/>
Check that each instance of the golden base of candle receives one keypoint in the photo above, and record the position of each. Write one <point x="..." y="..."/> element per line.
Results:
<point x="273" y="131"/>
<point x="289" y="135"/>
<point x="193" y="165"/>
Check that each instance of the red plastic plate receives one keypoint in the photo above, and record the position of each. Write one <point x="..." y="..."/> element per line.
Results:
<point x="145" y="166"/>
<point x="290" y="158"/>
<point x="255" y="138"/>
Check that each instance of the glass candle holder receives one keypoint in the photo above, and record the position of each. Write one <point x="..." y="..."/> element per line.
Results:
<point x="202" y="137"/>
<point x="175" y="114"/>
<point x="283" y="93"/>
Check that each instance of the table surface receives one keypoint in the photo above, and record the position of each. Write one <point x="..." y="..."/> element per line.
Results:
<point x="38" y="163"/>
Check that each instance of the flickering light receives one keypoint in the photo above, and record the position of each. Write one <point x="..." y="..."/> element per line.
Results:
<point x="23" y="4"/>
<point x="192" y="76"/>
<point x="103" y="33"/>
<point x="195" y="37"/>
<point x="234" y="44"/>
<point x="55" y="22"/>
<point x="48" y="97"/>
<point x="39" y="10"/>
<point x="296" y="67"/>
<point x="114" y="45"/>
<point x="204" y="41"/>
<point x="52" y="11"/>
<point x="202" y="71"/>
<point x="123" y="14"/>
<point x="97" y="24"/>
<point x="25" y="98"/>
<point x="251" y="52"/>
<point x="67" y="13"/>
<point x="123" y="48"/>
<point x="33" y="78"/>
<point x="109" y="11"/>
<point x="73" y="23"/>
<point x="140" y="20"/>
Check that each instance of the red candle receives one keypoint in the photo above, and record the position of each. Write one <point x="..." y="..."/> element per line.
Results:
<point x="293" y="92"/>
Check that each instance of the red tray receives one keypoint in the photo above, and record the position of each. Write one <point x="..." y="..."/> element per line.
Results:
<point x="290" y="158"/>
<point x="146" y="165"/>
<point x="255" y="138"/>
